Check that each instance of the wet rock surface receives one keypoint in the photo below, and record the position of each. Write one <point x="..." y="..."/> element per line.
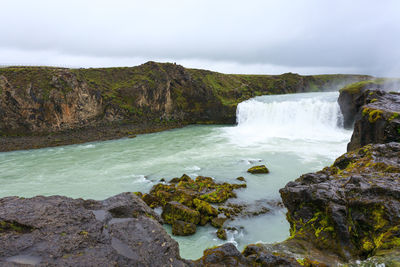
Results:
<point x="60" y="231"/>
<point x="350" y="209"/>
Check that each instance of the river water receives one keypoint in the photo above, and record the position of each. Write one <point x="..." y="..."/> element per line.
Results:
<point x="291" y="134"/>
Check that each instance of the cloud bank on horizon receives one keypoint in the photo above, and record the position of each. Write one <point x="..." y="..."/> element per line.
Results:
<point x="254" y="36"/>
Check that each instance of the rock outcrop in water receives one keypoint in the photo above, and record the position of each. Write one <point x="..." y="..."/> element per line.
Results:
<point x="258" y="169"/>
<point x="187" y="203"/>
<point x="86" y="104"/>
<point x="60" y="231"/>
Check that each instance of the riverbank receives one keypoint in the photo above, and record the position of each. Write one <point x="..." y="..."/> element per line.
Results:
<point x="82" y="135"/>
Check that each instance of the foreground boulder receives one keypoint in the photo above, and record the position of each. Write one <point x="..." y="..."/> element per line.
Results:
<point x="351" y="209"/>
<point x="61" y="231"/>
<point x="228" y="255"/>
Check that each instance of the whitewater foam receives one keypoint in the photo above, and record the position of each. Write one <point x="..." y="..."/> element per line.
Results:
<point x="311" y="117"/>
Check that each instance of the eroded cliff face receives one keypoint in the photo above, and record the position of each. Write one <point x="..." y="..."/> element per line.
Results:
<point x="36" y="100"/>
<point x="26" y="107"/>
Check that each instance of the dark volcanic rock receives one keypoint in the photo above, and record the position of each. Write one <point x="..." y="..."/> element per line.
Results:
<point x="225" y="255"/>
<point x="379" y="120"/>
<point x="373" y="112"/>
<point x="60" y="231"/>
<point x="260" y="256"/>
<point x="351" y="208"/>
<point x="353" y="97"/>
<point x="253" y="255"/>
<point x="183" y="228"/>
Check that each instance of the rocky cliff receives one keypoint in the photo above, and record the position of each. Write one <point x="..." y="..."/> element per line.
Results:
<point x="37" y="101"/>
<point x="373" y="111"/>
<point x="350" y="209"/>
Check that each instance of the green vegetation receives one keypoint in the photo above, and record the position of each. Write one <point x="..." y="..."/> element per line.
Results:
<point x="369" y="85"/>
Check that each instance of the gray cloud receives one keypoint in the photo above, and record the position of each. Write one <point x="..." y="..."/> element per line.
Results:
<point x="313" y="36"/>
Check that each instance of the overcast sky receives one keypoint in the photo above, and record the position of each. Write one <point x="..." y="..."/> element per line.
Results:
<point x="249" y="36"/>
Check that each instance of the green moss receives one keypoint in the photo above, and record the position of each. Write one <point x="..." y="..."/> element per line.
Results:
<point x="367" y="246"/>
<point x="221" y="234"/>
<point x="358" y="86"/>
<point x="84" y="233"/>
<point x="319" y="229"/>
<point x="220" y="195"/>
<point x="6" y="226"/>
<point x="394" y="116"/>
<point x="204" y="207"/>
<point x="258" y="169"/>
<point x="175" y="211"/>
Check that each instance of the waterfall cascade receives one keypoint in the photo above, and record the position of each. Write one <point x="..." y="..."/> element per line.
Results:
<point x="312" y="116"/>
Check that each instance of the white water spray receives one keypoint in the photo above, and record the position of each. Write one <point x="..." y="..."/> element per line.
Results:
<point x="312" y="116"/>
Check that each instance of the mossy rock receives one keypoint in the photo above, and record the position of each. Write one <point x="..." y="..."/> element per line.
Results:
<point x="176" y="211"/>
<point x="204" y="207"/>
<point x="204" y="219"/>
<point x="221" y="234"/>
<point x="150" y="200"/>
<point x="219" y="195"/>
<point x="183" y="178"/>
<point x="258" y="169"/>
<point x="218" y="222"/>
<point x="241" y="179"/>
<point x="183" y="228"/>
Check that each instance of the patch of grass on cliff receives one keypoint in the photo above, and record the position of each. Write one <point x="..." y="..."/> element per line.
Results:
<point x="369" y="84"/>
<point x="39" y="79"/>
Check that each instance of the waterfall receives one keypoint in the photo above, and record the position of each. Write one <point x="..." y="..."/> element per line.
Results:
<point x="307" y="116"/>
